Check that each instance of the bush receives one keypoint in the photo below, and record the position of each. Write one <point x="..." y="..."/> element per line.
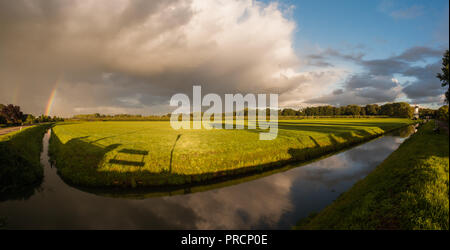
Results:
<point x="442" y="113"/>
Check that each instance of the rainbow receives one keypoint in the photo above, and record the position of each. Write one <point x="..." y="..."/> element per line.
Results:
<point x="48" y="109"/>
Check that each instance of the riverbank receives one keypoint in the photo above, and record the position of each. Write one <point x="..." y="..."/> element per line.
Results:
<point x="409" y="190"/>
<point x="132" y="154"/>
<point x="20" y="167"/>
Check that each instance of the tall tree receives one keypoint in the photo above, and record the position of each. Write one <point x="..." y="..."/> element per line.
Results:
<point x="444" y="75"/>
<point x="2" y="118"/>
<point x="371" y="109"/>
<point x="353" y="110"/>
<point x="12" y="113"/>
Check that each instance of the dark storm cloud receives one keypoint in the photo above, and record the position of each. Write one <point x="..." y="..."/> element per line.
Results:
<point x="132" y="56"/>
<point x="125" y="55"/>
<point x="323" y="59"/>
<point x="364" y="80"/>
<point x="385" y="67"/>
<point x="377" y="82"/>
<point x="426" y="85"/>
<point x="56" y="43"/>
<point x="359" y="96"/>
<point x="419" y="54"/>
<point x="328" y="53"/>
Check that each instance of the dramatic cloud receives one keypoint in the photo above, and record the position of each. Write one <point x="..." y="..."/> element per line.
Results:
<point x="377" y="83"/>
<point x="123" y="56"/>
<point x="131" y="56"/>
<point x="419" y="54"/>
<point x="426" y="88"/>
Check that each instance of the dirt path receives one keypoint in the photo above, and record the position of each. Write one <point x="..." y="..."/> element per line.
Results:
<point x="4" y="131"/>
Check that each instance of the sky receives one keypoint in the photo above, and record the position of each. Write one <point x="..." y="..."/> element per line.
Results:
<point x="63" y="57"/>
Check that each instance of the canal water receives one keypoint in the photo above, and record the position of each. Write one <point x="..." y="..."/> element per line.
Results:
<point x="276" y="201"/>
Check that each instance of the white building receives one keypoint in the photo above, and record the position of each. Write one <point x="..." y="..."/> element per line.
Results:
<point x="416" y="112"/>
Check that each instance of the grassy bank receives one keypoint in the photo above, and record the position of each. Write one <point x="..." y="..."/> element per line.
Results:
<point x="99" y="154"/>
<point x="409" y="190"/>
<point x="20" y="169"/>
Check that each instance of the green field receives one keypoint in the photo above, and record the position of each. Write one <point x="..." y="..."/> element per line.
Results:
<point x="152" y="153"/>
<point x="409" y="190"/>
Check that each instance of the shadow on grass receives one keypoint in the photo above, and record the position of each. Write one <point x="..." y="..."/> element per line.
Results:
<point x="171" y="152"/>
<point x="21" y="173"/>
<point x="78" y="154"/>
<point x="341" y="129"/>
<point x="315" y="142"/>
<point x="127" y="163"/>
<point x="127" y="151"/>
<point x="344" y="130"/>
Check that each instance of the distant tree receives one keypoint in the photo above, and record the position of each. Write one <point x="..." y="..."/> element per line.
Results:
<point x="442" y="113"/>
<point x="363" y="111"/>
<point x="371" y="109"/>
<point x="288" y="112"/>
<point x="403" y="109"/>
<point x="328" y="110"/>
<point x="43" y="118"/>
<point x="387" y="109"/>
<point x="352" y="110"/>
<point x="445" y="74"/>
<point x="29" y="119"/>
<point x="2" y="118"/>
<point x="336" y="111"/>
<point x="424" y="112"/>
<point x="398" y="109"/>
<point x="57" y="119"/>
<point x="12" y="113"/>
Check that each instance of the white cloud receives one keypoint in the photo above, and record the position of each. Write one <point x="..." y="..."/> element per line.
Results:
<point x="394" y="10"/>
<point x="408" y="13"/>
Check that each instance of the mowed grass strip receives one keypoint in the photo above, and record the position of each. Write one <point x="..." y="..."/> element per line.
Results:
<point x="409" y="190"/>
<point x="152" y="153"/>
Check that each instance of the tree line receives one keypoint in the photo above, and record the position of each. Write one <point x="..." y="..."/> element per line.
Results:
<point x="120" y="117"/>
<point x="398" y="109"/>
<point x="12" y="115"/>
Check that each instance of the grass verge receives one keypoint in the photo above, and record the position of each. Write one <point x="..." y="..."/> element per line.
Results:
<point x="409" y="190"/>
<point x="20" y="168"/>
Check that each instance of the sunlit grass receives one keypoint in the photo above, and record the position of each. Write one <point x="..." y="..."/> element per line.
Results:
<point x="149" y="153"/>
<point x="409" y="190"/>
